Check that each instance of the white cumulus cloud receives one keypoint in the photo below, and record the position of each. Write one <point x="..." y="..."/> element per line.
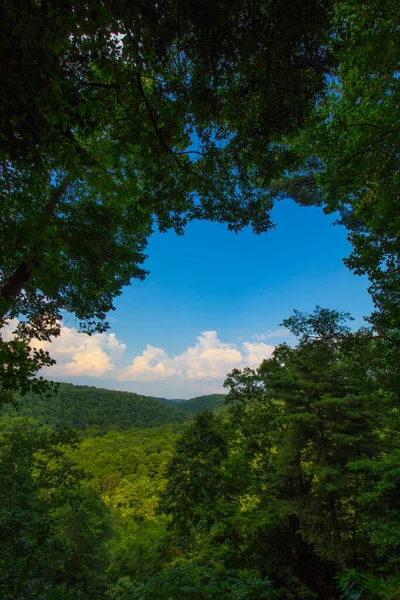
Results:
<point x="83" y="355"/>
<point x="151" y="365"/>
<point x="256" y="352"/>
<point x="209" y="358"/>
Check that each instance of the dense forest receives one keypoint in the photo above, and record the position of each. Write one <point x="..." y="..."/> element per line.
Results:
<point x="122" y="118"/>
<point x="94" y="409"/>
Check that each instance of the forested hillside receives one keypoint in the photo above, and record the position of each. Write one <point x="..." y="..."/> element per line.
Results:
<point x="85" y="407"/>
<point x="289" y="488"/>
<point x="96" y="410"/>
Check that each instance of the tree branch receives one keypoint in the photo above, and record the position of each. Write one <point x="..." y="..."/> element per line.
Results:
<point x="158" y="132"/>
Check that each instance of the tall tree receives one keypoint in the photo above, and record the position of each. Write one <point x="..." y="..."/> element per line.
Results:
<point x="194" y="473"/>
<point x="309" y="415"/>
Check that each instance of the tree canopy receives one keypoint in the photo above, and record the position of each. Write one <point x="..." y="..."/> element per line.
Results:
<point x="117" y="118"/>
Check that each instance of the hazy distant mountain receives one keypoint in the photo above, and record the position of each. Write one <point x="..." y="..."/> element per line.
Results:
<point x="170" y="402"/>
<point x="195" y="405"/>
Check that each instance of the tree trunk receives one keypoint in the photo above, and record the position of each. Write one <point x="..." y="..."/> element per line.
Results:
<point x="14" y="285"/>
<point x="336" y="532"/>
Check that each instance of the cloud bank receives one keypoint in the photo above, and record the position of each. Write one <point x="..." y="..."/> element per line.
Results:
<point x="104" y="356"/>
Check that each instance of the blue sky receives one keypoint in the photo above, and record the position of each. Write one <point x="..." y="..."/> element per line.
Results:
<point x="235" y="287"/>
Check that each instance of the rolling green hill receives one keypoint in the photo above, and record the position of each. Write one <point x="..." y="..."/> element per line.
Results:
<point x="84" y="407"/>
<point x="97" y="410"/>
